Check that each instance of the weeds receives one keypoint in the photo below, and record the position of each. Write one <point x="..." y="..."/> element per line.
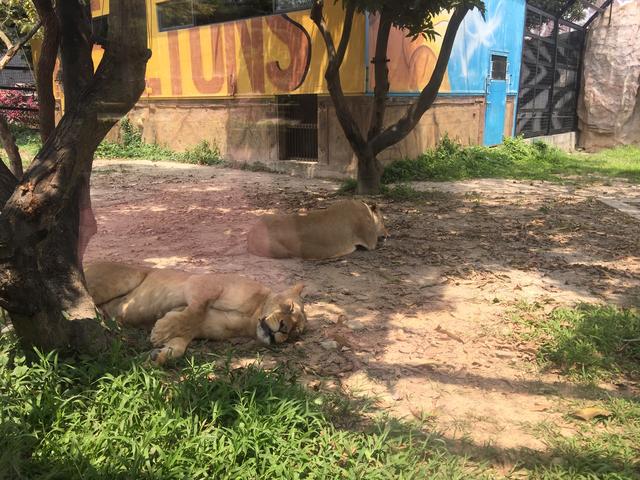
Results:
<point x="203" y="153"/>
<point x="514" y="158"/>
<point x="599" y="449"/>
<point x="114" y="418"/>
<point x="132" y="145"/>
<point x="588" y="342"/>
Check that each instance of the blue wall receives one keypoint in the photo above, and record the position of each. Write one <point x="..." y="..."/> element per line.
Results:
<point x="499" y="32"/>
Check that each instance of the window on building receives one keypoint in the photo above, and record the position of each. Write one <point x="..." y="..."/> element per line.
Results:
<point x="498" y="67"/>
<point x="298" y="127"/>
<point x="174" y="14"/>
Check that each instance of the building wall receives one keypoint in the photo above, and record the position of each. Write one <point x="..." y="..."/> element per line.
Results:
<point x="245" y="130"/>
<point x="459" y="117"/>
<point x="218" y="82"/>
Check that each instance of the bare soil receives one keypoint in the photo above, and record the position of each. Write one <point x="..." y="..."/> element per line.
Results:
<point x="422" y="323"/>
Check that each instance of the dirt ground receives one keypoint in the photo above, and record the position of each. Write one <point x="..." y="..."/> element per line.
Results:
<point x="422" y="322"/>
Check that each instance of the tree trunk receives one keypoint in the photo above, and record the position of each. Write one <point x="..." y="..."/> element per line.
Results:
<point x="9" y="144"/>
<point x="379" y="137"/>
<point x="46" y="66"/>
<point x="75" y="52"/>
<point x="41" y="281"/>
<point x="369" y="174"/>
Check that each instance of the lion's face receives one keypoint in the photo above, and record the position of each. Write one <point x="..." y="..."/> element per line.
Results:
<point x="283" y="318"/>
<point x="378" y="221"/>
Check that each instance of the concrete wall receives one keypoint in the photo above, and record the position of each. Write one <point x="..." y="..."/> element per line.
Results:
<point x="245" y="130"/>
<point x="461" y="118"/>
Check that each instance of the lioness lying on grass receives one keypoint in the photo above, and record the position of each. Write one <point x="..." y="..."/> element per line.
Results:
<point x="182" y="306"/>
<point x="333" y="232"/>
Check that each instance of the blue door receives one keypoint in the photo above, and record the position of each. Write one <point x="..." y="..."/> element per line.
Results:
<point x="496" y="101"/>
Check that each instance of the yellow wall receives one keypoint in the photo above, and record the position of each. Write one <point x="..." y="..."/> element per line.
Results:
<point x="277" y="54"/>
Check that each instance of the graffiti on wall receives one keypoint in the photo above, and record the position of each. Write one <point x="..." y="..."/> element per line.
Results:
<point x="276" y="54"/>
<point x="500" y="31"/>
<point x="282" y="54"/>
<point x="411" y="62"/>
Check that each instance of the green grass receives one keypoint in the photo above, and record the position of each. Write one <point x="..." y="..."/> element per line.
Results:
<point x="28" y="142"/>
<point x="116" y="418"/>
<point x="599" y="449"/>
<point x="514" y="159"/>
<point x="400" y="192"/>
<point x="588" y="342"/>
<point x="132" y="145"/>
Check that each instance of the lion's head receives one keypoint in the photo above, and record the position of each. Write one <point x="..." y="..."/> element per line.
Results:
<point x="283" y="317"/>
<point x="378" y="221"/>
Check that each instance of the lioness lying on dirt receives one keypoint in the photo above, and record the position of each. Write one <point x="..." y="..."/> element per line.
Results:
<point x="319" y="234"/>
<point x="182" y="306"/>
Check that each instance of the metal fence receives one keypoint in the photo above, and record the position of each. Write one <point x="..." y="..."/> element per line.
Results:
<point x="298" y="127"/>
<point x="549" y="75"/>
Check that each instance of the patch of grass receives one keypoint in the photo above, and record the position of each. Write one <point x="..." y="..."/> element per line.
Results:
<point x="588" y="342"/>
<point x="115" y="418"/>
<point x="348" y="187"/>
<point x="514" y="158"/>
<point x="203" y="153"/>
<point x="132" y="145"/>
<point x="599" y="449"/>
<point x="401" y="192"/>
<point x="28" y="142"/>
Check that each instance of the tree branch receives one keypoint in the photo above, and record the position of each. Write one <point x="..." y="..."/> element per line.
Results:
<point x="12" y="49"/>
<point x="52" y="179"/>
<point x="46" y="66"/>
<point x="8" y="184"/>
<point x="9" y="144"/>
<point x="76" y="44"/>
<point x="5" y="39"/>
<point x="395" y="133"/>
<point x="332" y="74"/>
<point x="381" y="88"/>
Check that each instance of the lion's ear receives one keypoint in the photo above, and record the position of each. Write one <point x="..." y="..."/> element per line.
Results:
<point x="297" y="289"/>
<point x="287" y="306"/>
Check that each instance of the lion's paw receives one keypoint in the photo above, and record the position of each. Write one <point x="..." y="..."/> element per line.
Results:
<point x="160" y="355"/>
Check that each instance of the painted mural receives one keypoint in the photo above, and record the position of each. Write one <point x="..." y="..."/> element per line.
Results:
<point x="284" y="54"/>
<point x="499" y="32"/>
<point x="411" y="62"/>
<point x="276" y="54"/>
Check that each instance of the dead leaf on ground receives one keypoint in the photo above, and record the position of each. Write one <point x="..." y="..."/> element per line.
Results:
<point x="589" y="413"/>
<point x="449" y="334"/>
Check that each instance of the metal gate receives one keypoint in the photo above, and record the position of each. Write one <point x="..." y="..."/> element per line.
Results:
<point x="549" y="75"/>
<point x="298" y="127"/>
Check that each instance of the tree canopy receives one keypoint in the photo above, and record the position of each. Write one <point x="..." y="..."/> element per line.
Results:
<point x="17" y="16"/>
<point x="414" y="16"/>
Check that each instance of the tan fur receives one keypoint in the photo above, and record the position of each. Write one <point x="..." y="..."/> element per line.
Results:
<point x="329" y="233"/>
<point x="182" y="306"/>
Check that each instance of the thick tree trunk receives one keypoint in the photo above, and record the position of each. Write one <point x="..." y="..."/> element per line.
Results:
<point x="379" y="137"/>
<point x="369" y="174"/>
<point x="41" y="280"/>
<point x="75" y="51"/>
<point x="9" y="144"/>
<point x="46" y="66"/>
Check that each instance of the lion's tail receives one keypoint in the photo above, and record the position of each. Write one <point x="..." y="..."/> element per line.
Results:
<point x="106" y="281"/>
